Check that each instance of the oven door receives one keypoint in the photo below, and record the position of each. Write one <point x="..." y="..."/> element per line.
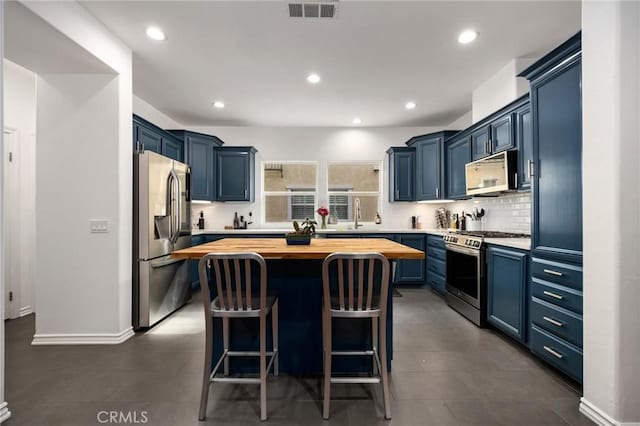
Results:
<point x="464" y="274"/>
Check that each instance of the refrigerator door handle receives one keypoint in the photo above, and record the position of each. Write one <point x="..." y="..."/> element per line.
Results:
<point x="176" y="205"/>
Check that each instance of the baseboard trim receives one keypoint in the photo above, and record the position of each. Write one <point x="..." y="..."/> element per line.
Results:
<point x="4" y="412"/>
<point x="27" y="310"/>
<point x="600" y="417"/>
<point x="82" y="339"/>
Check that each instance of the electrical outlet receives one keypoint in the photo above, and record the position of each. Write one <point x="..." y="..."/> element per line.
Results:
<point x="99" y="226"/>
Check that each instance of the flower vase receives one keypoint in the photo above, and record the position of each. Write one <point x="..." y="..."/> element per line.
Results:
<point x="324" y="222"/>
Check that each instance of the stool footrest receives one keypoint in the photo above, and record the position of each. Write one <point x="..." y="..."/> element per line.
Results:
<point x="245" y="380"/>
<point x="247" y="353"/>
<point x="355" y="380"/>
<point x="353" y="353"/>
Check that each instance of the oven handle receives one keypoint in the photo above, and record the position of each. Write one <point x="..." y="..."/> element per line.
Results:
<point x="463" y="250"/>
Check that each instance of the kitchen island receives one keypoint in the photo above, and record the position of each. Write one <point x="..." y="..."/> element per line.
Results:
<point x="294" y="273"/>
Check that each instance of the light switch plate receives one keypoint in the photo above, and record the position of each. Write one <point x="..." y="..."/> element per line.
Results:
<point x="99" y="226"/>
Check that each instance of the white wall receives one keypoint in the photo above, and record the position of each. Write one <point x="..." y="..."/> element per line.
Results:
<point x="611" y="156"/>
<point x="84" y="172"/>
<point x="20" y="107"/>
<point x="502" y="88"/>
<point x="4" y="409"/>
<point x="465" y="120"/>
<point x="322" y="145"/>
<point x="150" y="113"/>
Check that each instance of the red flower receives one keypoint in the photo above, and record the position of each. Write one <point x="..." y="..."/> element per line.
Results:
<point x="323" y="211"/>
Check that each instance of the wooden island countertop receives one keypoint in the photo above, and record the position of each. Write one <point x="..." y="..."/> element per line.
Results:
<point x="277" y="248"/>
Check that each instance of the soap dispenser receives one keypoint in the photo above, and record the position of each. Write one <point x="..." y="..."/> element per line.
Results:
<point x="201" y="221"/>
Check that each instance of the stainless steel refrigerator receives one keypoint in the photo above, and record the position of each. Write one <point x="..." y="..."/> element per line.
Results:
<point x="162" y="224"/>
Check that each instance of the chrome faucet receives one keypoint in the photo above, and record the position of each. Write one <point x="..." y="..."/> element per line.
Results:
<point x="356" y="203"/>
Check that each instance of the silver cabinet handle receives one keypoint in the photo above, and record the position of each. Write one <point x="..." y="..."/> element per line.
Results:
<point x="552" y="321"/>
<point x="553" y="352"/>
<point x="554" y="295"/>
<point x="397" y="194"/>
<point x="530" y="168"/>
<point x="515" y="180"/>
<point x="245" y="193"/>
<point x="437" y="192"/>
<point x="552" y="272"/>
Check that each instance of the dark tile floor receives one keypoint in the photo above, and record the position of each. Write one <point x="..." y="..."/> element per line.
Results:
<point x="446" y="371"/>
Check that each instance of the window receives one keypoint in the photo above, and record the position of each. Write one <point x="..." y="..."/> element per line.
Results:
<point x="289" y="191"/>
<point x="350" y="180"/>
<point x="339" y="204"/>
<point x="301" y="206"/>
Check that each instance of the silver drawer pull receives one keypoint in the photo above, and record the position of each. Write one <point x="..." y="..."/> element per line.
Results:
<point x="552" y="321"/>
<point x="554" y="295"/>
<point x="553" y="352"/>
<point x="552" y="272"/>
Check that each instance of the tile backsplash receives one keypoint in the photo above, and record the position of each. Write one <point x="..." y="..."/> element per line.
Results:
<point x="507" y="213"/>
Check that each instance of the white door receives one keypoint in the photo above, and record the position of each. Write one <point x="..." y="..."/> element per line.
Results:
<point x="9" y="211"/>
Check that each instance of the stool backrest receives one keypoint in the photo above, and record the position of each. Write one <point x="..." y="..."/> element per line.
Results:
<point x="231" y="273"/>
<point x="362" y="281"/>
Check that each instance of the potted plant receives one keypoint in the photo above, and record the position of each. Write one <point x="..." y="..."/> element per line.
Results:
<point x="303" y="233"/>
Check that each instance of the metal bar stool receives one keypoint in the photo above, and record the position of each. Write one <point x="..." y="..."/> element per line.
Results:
<point x="234" y="300"/>
<point x="361" y="298"/>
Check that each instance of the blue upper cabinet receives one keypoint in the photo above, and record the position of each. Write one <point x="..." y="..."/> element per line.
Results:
<point x="402" y="165"/>
<point x="524" y="141"/>
<point x="458" y="154"/>
<point x="494" y="137"/>
<point x="200" y="149"/>
<point x="173" y="148"/>
<point x="480" y="142"/>
<point x="506" y="291"/>
<point x="502" y="134"/>
<point x="430" y="170"/>
<point x="147" y="136"/>
<point x="235" y="173"/>
<point x="557" y="153"/>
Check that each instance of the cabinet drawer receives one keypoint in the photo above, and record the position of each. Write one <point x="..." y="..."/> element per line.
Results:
<point x="436" y="266"/>
<point x="558" y="321"/>
<point x="436" y="282"/>
<point x="556" y="272"/>
<point x="436" y="253"/>
<point x="564" y="297"/>
<point x="556" y="352"/>
<point x="435" y="241"/>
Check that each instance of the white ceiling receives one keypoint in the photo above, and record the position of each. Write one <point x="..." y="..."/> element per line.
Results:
<point x="372" y="58"/>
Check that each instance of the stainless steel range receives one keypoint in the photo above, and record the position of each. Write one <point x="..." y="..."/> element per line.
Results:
<point x="466" y="282"/>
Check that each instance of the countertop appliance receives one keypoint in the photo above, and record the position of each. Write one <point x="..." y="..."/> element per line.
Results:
<point x="162" y="224"/>
<point x="491" y="175"/>
<point x="466" y="286"/>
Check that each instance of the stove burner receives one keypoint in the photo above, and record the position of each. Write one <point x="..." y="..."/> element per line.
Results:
<point x="490" y="234"/>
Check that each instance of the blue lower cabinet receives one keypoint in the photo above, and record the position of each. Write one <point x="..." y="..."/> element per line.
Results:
<point x="557" y="352"/>
<point x="436" y="264"/>
<point x="196" y="240"/>
<point x="506" y="291"/>
<point x="411" y="271"/>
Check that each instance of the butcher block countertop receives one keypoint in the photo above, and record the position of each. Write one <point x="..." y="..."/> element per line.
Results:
<point x="277" y="248"/>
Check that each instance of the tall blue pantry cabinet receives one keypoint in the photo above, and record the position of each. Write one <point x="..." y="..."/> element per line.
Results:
<point x="555" y="304"/>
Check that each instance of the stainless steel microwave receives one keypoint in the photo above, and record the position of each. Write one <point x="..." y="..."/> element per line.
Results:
<point x="492" y="175"/>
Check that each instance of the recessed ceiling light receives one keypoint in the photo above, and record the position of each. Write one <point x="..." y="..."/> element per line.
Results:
<point x="467" y="36"/>
<point x="357" y="121"/>
<point x="313" y="78"/>
<point x="156" y="33"/>
<point x="218" y="104"/>
<point x="410" y="105"/>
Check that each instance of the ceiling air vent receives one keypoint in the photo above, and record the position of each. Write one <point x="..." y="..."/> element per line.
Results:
<point x="313" y="9"/>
